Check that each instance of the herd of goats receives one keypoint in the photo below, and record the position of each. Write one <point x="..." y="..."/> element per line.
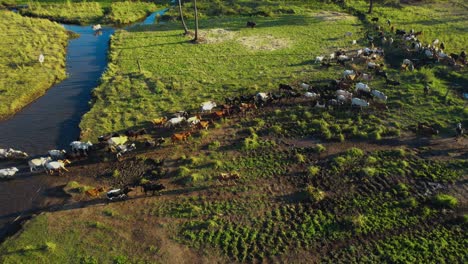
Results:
<point x="351" y="89"/>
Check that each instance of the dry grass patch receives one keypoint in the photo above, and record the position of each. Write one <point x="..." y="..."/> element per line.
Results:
<point x="218" y="35"/>
<point x="331" y="16"/>
<point x="267" y="42"/>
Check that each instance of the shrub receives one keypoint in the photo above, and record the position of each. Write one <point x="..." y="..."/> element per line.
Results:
<point x="116" y="174"/>
<point x="300" y="158"/>
<point x="371" y="160"/>
<point x="314" y="194"/>
<point x="214" y="145"/>
<point x="313" y="170"/>
<point x="355" y="152"/>
<point x="375" y="135"/>
<point x="445" y="201"/>
<point x="319" y="148"/>
<point x="183" y="171"/>
<point x="50" y="246"/>
<point x="410" y="202"/>
<point x="368" y="171"/>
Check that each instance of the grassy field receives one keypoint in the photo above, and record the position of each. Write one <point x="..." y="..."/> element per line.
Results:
<point x="84" y="13"/>
<point x="128" y="12"/>
<point x="167" y="73"/>
<point x="331" y="203"/>
<point x="176" y="74"/>
<point x="73" y="13"/>
<point x="23" y="78"/>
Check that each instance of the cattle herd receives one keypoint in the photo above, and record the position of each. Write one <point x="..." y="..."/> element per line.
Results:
<point x="351" y="90"/>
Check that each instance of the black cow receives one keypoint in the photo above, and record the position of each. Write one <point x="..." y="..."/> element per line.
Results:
<point x="104" y="138"/>
<point x="285" y="87"/>
<point x="392" y="82"/>
<point x="375" y="19"/>
<point x="251" y="24"/>
<point x="136" y="133"/>
<point x="152" y="187"/>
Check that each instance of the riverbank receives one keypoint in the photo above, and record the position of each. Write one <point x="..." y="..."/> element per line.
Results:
<point x="23" y="78"/>
<point x="85" y="13"/>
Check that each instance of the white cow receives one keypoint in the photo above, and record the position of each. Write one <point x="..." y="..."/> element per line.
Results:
<point x="4" y="153"/>
<point x="8" y="173"/>
<point x="175" y="121"/>
<point x="311" y="95"/>
<point x="347" y="95"/>
<point x="78" y="145"/>
<point x="362" y="87"/>
<point x="56" y="166"/>
<point x="97" y="27"/>
<point x="348" y="72"/>
<point x="57" y="154"/>
<point x="122" y="149"/>
<point x="379" y="95"/>
<point x="192" y="121"/>
<point x="34" y="163"/>
<point x="359" y="102"/>
<point x="208" y="106"/>
<point x="12" y="153"/>
<point x="319" y="59"/>
<point x="305" y="86"/>
<point x="114" y="141"/>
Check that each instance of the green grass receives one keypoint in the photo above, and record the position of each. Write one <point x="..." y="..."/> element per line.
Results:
<point x="23" y="79"/>
<point x="128" y="12"/>
<point x="176" y="74"/>
<point x="69" y="12"/>
<point x="84" y="13"/>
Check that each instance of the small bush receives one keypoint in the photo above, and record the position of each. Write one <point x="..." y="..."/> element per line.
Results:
<point x="319" y="148"/>
<point x="445" y="201"/>
<point x="355" y="152"/>
<point x="183" y="171"/>
<point x="371" y="160"/>
<point x="313" y="170"/>
<point x="410" y="202"/>
<point x="300" y="158"/>
<point x="50" y="246"/>
<point x="314" y="194"/>
<point x="368" y="171"/>
<point x="116" y="174"/>
<point x="214" y="145"/>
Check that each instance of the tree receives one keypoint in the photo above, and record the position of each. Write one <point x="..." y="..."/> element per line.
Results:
<point x="182" y="18"/>
<point x="371" y="4"/>
<point x="196" y="21"/>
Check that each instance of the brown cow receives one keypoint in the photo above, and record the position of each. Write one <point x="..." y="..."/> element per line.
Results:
<point x="218" y="114"/>
<point x="228" y="177"/>
<point x="180" y="136"/>
<point x="94" y="192"/>
<point x="159" y="121"/>
<point x="203" y="125"/>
